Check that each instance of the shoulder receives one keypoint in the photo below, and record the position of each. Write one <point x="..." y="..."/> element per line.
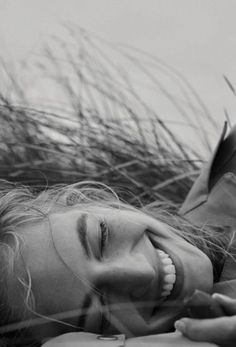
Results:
<point x="213" y="196"/>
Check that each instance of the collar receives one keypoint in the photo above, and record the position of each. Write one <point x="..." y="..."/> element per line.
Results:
<point x="200" y="189"/>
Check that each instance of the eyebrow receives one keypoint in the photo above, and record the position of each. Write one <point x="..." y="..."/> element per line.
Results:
<point x="81" y="228"/>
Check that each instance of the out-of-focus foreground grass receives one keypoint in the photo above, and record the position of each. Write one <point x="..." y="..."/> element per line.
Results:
<point x="101" y="127"/>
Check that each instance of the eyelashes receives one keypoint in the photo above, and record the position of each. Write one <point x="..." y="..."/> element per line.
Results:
<point x="103" y="236"/>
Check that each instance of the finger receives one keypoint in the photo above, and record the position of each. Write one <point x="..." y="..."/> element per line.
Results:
<point x="218" y="330"/>
<point x="228" y="304"/>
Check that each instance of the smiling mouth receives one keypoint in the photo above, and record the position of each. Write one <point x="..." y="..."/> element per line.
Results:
<point x="168" y="269"/>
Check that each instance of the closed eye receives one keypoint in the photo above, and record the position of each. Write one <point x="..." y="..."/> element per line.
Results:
<point x="103" y="236"/>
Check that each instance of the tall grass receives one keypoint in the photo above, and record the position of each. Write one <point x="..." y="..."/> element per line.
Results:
<point x="100" y="126"/>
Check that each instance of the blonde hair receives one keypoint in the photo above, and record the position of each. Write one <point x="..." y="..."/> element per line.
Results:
<point x="20" y="205"/>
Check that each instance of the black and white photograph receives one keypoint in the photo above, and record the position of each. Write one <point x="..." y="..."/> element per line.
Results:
<point x="117" y="173"/>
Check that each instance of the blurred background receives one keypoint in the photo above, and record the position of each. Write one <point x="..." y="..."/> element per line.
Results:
<point x="130" y="93"/>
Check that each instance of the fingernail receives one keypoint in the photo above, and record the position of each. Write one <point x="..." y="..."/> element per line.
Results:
<point x="180" y="326"/>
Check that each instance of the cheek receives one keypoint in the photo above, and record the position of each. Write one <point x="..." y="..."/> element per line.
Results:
<point x="49" y="299"/>
<point x="189" y="251"/>
<point x="128" y="227"/>
<point x="197" y="267"/>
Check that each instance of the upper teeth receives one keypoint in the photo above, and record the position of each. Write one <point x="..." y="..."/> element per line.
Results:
<point x="169" y="277"/>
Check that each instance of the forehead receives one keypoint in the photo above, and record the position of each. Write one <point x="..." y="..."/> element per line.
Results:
<point x="54" y="285"/>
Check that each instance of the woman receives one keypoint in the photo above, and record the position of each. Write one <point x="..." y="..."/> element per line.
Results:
<point x="85" y="261"/>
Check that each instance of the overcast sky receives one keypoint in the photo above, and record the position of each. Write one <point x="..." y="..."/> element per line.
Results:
<point x="196" y="37"/>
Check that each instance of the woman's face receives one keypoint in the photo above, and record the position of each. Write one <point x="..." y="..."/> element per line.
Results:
<point x="133" y="264"/>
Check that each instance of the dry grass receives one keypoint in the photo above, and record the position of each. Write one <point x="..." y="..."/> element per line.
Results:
<point x="103" y="129"/>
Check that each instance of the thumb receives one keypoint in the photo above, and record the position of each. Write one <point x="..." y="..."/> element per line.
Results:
<point x="228" y="304"/>
<point x="221" y="331"/>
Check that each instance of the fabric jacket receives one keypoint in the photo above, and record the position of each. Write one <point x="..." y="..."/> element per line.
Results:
<point x="215" y="203"/>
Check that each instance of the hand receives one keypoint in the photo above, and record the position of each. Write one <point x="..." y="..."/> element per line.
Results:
<point x="221" y="331"/>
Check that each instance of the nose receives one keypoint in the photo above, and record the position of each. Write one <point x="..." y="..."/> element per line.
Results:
<point x="131" y="274"/>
